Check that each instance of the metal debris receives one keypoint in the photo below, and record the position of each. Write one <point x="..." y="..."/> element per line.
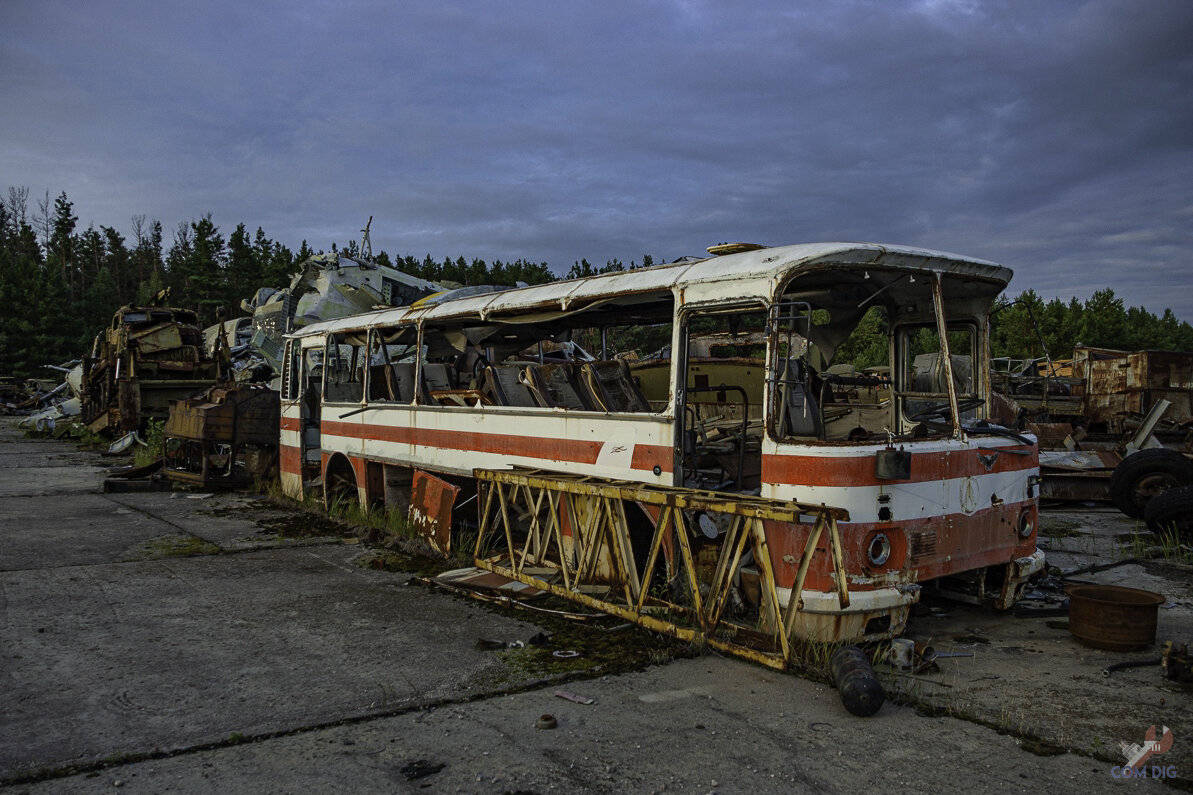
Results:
<point x="1178" y="665"/>
<point x="227" y="436"/>
<point x="569" y="696"/>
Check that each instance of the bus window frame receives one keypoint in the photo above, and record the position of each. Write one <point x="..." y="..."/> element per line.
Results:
<point x="900" y="335"/>
<point x="328" y="338"/>
<point x="374" y="333"/>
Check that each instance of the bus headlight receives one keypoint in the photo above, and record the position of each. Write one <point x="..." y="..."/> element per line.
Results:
<point x="1025" y="525"/>
<point x="878" y="551"/>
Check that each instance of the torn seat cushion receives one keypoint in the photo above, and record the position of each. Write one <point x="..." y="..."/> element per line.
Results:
<point x="556" y="385"/>
<point x="504" y="386"/>
<point x="613" y="387"/>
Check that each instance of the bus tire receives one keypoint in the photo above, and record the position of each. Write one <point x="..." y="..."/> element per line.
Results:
<point x="1142" y="475"/>
<point x="1172" y="510"/>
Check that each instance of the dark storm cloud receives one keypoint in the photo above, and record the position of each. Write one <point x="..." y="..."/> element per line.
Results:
<point x="1052" y="137"/>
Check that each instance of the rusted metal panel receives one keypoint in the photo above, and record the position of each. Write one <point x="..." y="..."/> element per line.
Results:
<point x="1121" y="383"/>
<point x="227" y="414"/>
<point x="431" y="501"/>
<point x="1091" y="486"/>
<point x="1050" y="434"/>
<point x="159" y="338"/>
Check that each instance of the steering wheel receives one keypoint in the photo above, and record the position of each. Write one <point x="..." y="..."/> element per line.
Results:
<point x="943" y="411"/>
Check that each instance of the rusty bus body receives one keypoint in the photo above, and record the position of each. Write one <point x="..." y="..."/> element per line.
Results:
<point x="933" y="492"/>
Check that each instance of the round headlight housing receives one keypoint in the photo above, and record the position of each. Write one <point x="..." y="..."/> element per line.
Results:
<point x="878" y="551"/>
<point x="1025" y="525"/>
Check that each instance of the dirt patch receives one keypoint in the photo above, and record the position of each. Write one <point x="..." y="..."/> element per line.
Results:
<point x="397" y="561"/>
<point x="173" y="546"/>
<point x="1175" y="572"/>
<point x="304" y="524"/>
<point x="605" y="646"/>
<point x="1057" y="527"/>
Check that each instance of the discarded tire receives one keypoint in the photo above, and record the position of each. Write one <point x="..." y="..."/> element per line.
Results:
<point x="1145" y="474"/>
<point x="860" y="690"/>
<point x="1172" y="510"/>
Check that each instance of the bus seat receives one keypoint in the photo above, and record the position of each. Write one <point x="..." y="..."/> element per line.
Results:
<point x="505" y="388"/>
<point x="401" y="375"/>
<point x="556" y="385"/>
<point x="802" y="409"/>
<point x="436" y="376"/>
<point x="611" y="386"/>
<point x="381" y="386"/>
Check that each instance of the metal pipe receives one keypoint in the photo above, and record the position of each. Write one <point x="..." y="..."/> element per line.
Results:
<point x="942" y="330"/>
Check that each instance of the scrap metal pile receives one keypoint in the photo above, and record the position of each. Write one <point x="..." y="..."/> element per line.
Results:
<point x="151" y="356"/>
<point x="328" y="286"/>
<point x="43" y="399"/>
<point x="1113" y="426"/>
<point x="228" y="436"/>
<point x="148" y="357"/>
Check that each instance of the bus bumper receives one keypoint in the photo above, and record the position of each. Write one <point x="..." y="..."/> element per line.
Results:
<point x="879" y="614"/>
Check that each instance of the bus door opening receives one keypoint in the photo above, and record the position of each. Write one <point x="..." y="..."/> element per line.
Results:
<point x="720" y="399"/>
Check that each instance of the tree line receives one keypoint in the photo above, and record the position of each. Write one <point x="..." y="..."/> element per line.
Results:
<point x="60" y="284"/>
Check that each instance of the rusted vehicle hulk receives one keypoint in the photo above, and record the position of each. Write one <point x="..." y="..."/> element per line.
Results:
<point x="225" y="437"/>
<point x="1120" y="386"/>
<point x="750" y="477"/>
<point x="146" y="358"/>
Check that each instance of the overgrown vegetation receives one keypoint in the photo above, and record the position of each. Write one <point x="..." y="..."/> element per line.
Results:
<point x="154" y="447"/>
<point x="1169" y="544"/>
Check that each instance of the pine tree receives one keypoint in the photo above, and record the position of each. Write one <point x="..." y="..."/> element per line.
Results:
<point x="245" y="271"/>
<point x="60" y="250"/>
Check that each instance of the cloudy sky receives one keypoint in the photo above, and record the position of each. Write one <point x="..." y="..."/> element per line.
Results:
<point x="1056" y="138"/>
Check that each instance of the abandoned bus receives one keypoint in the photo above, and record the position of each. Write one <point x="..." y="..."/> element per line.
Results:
<point x="720" y="375"/>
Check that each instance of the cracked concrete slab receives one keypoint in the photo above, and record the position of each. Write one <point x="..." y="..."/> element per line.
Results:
<point x="732" y="727"/>
<point x="39" y="467"/>
<point x="228" y="520"/>
<point x="72" y="530"/>
<point x="113" y="659"/>
<point x="107" y="656"/>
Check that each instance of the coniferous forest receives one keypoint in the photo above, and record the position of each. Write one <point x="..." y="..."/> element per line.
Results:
<point x="60" y="284"/>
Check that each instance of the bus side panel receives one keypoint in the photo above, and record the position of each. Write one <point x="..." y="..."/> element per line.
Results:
<point x="457" y="441"/>
<point x="290" y="449"/>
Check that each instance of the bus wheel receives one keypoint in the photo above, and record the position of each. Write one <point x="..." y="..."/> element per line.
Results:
<point x="339" y="483"/>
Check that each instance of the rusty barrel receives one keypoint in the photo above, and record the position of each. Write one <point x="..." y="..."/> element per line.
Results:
<point x="1113" y="617"/>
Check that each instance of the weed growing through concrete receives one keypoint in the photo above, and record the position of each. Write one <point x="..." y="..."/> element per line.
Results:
<point x="154" y="447"/>
<point x="1174" y="545"/>
<point x="1140" y="544"/>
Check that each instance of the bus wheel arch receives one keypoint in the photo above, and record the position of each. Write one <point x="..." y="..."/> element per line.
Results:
<point x="339" y="481"/>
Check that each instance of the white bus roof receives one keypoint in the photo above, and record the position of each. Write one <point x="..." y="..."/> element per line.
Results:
<point x="758" y="272"/>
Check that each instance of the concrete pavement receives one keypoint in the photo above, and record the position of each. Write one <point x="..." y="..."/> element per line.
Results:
<point x="155" y="642"/>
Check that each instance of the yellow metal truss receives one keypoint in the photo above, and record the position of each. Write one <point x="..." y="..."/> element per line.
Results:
<point x="522" y="536"/>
